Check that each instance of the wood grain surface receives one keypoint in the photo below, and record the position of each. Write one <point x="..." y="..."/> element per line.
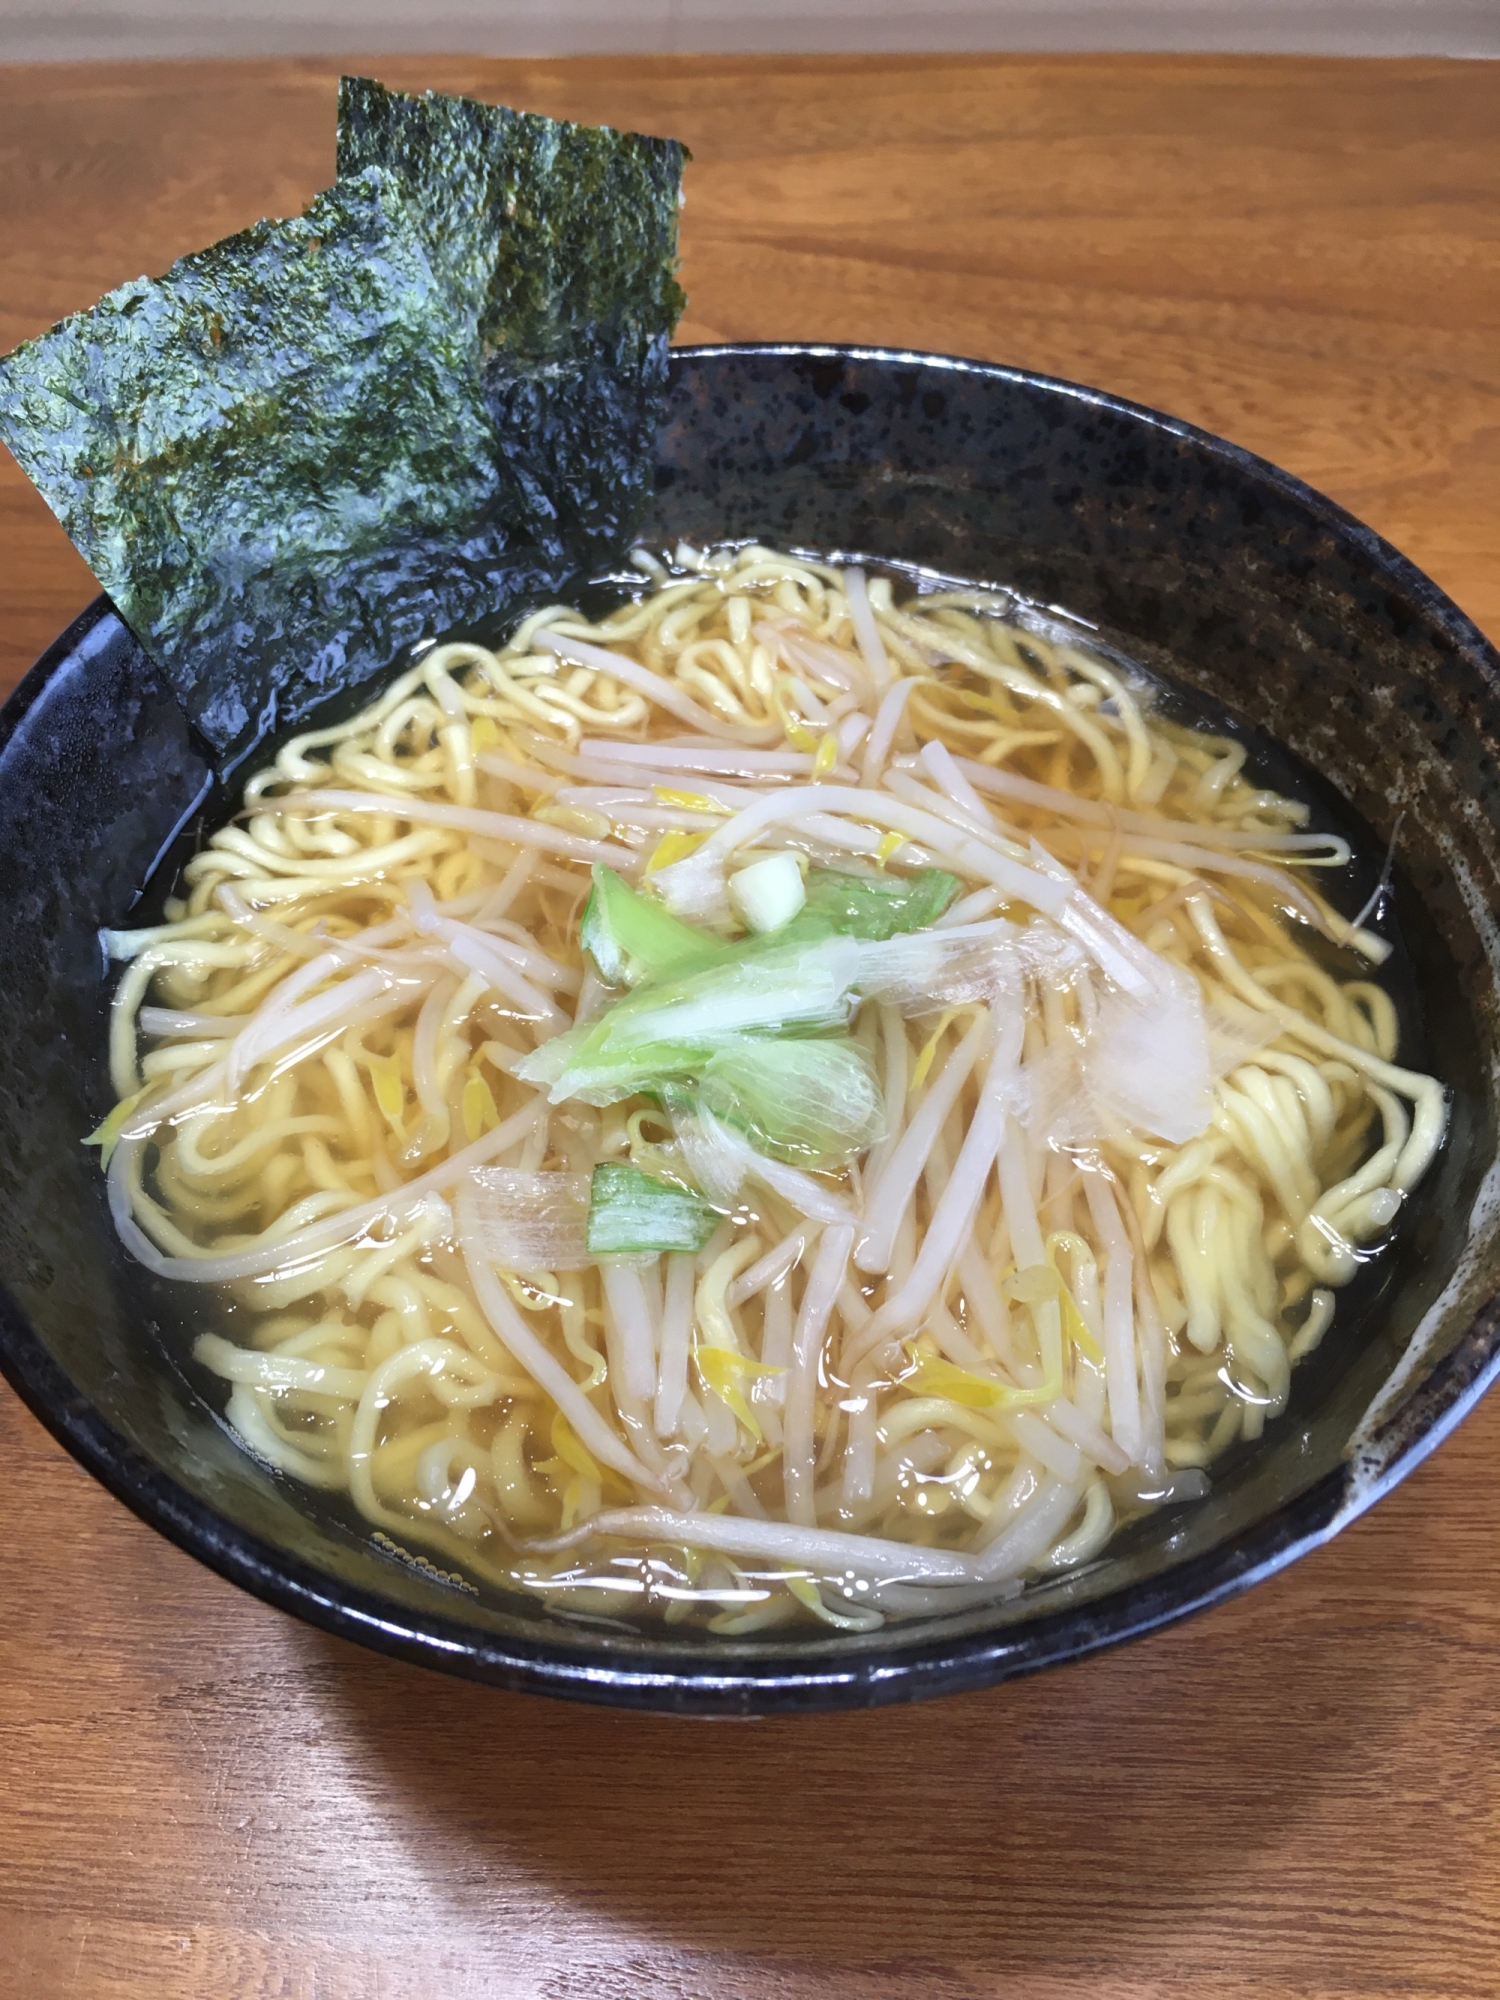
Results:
<point x="1295" y="1795"/>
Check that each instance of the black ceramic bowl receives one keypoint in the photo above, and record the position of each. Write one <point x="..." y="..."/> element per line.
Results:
<point x="1203" y="562"/>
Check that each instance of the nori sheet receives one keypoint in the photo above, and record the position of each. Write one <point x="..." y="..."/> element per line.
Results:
<point x="425" y="403"/>
<point x="574" y="350"/>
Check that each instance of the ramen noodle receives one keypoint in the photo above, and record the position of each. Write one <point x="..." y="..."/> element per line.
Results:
<point x="791" y="1100"/>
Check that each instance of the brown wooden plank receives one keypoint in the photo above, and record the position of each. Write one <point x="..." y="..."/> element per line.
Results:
<point x="1296" y="1795"/>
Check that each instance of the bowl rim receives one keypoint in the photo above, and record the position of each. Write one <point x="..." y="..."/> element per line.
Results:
<point x="774" y="1682"/>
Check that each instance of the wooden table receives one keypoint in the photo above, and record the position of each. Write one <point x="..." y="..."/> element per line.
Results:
<point x="1298" y="1794"/>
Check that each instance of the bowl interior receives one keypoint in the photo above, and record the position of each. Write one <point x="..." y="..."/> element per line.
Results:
<point x="1201" y="562"/>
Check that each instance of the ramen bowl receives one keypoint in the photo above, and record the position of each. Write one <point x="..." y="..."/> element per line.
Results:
<point x="1209" y="567"/>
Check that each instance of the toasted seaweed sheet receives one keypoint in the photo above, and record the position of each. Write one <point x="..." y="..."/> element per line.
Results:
<point x="421" y="405"/>
<point x="579" y="292"/>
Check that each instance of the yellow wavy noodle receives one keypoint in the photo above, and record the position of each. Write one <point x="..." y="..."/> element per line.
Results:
<point x="374" y="1365"/>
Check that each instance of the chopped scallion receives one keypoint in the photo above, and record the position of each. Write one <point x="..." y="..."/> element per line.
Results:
<point x="633" y="939"/>
<point x="875" y="906"/>
<point x="634" y="1214"/>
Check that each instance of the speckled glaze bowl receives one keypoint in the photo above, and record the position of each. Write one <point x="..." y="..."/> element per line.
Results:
<point x="1206" y="564"/>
